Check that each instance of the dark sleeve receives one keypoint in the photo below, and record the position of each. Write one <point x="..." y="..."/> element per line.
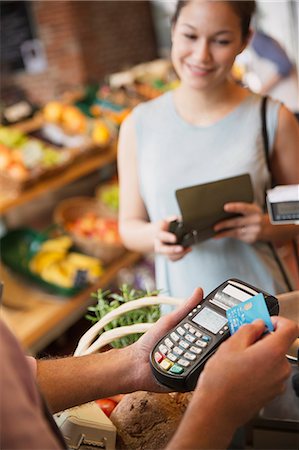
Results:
<point x="22" y="419"/>
<point x="268" y="48"/>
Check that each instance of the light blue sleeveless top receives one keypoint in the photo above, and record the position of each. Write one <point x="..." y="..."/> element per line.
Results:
<point x="173" y="154"/>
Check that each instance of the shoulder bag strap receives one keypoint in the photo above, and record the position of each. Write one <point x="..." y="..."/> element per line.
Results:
<point x="264" y="131"/>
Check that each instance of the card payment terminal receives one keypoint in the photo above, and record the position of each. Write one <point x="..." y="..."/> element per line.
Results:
<point x="179" y="357"/>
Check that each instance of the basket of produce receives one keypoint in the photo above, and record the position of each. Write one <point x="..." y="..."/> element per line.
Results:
<point x="49" y="261"/>
<point x="91" y="227"/>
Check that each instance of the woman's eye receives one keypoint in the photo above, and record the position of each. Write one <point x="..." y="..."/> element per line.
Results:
<point x="222" y="42"/>
<point x="190" y="36"/>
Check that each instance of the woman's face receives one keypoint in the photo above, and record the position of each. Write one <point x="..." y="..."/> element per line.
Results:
<point x="205" y="41"/>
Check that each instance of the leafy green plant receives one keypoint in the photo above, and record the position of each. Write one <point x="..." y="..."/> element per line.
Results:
<point x="108" y="301"/>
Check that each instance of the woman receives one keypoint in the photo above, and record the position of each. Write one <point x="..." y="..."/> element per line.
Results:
<point x="207" y="129"/>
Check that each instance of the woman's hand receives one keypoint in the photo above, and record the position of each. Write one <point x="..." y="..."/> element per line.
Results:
<point x="165" y="242"/>
<point x="247" y="227"/>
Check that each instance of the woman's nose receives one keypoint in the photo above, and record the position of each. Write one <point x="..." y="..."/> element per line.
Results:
<point x="202" y="51"/>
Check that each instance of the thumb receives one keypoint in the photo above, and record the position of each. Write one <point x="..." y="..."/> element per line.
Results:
<point x="171" y="320"/>
<point x="163" y="225"/>
<point x="247" y="334"/>
<point x="177" y="315"/>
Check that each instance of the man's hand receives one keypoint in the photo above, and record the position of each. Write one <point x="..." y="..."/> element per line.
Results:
<point x="249" y="369"/>
<point x="246" y="372"/>
<point x="140" y="351"/>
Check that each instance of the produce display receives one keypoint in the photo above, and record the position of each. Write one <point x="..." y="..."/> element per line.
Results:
<point x="55" y="263"/>
<point x="24" y="158"/>
<point x="68" y="121"/>
<point x="93" y="226"/>
<point x="51" y="263"/>
<point x="144" y="81"/>
<point x="108" y="301"/>
<point x="108" y="195"/>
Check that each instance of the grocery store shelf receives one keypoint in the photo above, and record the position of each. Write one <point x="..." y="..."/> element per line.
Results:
<point x="38" y="318"/>
<point x="76" y="170"/>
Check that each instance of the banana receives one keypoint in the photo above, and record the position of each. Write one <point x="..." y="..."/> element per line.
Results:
<point x="55" y="273"/>
<point x="79" y="261"/>
<point x="59" y="244"/>
<point x="43" y="259"/>
<point x="55" y="265"/>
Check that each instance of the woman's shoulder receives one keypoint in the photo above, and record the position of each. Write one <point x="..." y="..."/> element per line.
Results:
<point x="256" y="98"/>
<point x="254" y="102"/>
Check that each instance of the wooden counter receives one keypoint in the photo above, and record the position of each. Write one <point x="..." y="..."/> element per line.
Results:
<point x="38" y="318"/>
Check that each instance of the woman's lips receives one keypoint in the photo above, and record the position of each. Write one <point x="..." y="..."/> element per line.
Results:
<point x="200" y="71"/>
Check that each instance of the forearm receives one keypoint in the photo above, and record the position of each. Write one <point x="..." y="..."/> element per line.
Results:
<point x="71" y="381"/>
<point x="138" y="235"/>
<point x="203" y="427"/>
<point x="277" y="234"/>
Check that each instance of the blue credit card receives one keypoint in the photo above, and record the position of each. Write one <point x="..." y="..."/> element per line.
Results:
<point x="247" y="312"/>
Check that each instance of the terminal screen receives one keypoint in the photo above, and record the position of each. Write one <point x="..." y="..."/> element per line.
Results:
<point x="210" y="320"/>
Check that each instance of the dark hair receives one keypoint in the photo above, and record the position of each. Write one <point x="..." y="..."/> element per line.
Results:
<point x="243" y="9"/>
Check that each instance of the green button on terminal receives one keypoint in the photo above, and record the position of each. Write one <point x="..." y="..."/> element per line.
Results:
<point x="176" y="369"/>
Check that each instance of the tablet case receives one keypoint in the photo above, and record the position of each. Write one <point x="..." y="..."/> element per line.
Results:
<point x="202" y="205"/>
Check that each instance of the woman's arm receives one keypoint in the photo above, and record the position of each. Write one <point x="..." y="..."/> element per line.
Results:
<point x="285" y="170"/>
<point x="136" y="230"/>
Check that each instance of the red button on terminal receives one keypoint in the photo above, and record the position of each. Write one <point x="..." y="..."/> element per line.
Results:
<point x="158" y="357"/>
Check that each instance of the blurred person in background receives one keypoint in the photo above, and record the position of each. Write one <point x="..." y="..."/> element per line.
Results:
<point x="267" y="69"/>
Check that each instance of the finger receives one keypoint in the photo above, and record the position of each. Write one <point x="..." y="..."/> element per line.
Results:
<point x="246" y="234"/>
<point x="239" y="222"/>
<point x="237" y="233"/>
<point x="172" y="319"/>
<point x="163" y="225"/>
<point x="286" y="331"/>
<point x="171" y="218"/>
<point x="242" y="208"/>
<point x="247" y="334"/>
<point x="179" y="256"/>
<point x="170" y="250"/>
<point x="165" y="236"/>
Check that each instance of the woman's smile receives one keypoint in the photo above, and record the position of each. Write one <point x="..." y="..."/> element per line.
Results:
<point x="199" y="71"/>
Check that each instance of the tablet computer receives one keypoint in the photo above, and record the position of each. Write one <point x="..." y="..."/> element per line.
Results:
<point x="202" y="205"/>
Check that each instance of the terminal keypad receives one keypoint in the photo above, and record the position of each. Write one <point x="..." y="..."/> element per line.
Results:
<point x="181" y="348"/>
